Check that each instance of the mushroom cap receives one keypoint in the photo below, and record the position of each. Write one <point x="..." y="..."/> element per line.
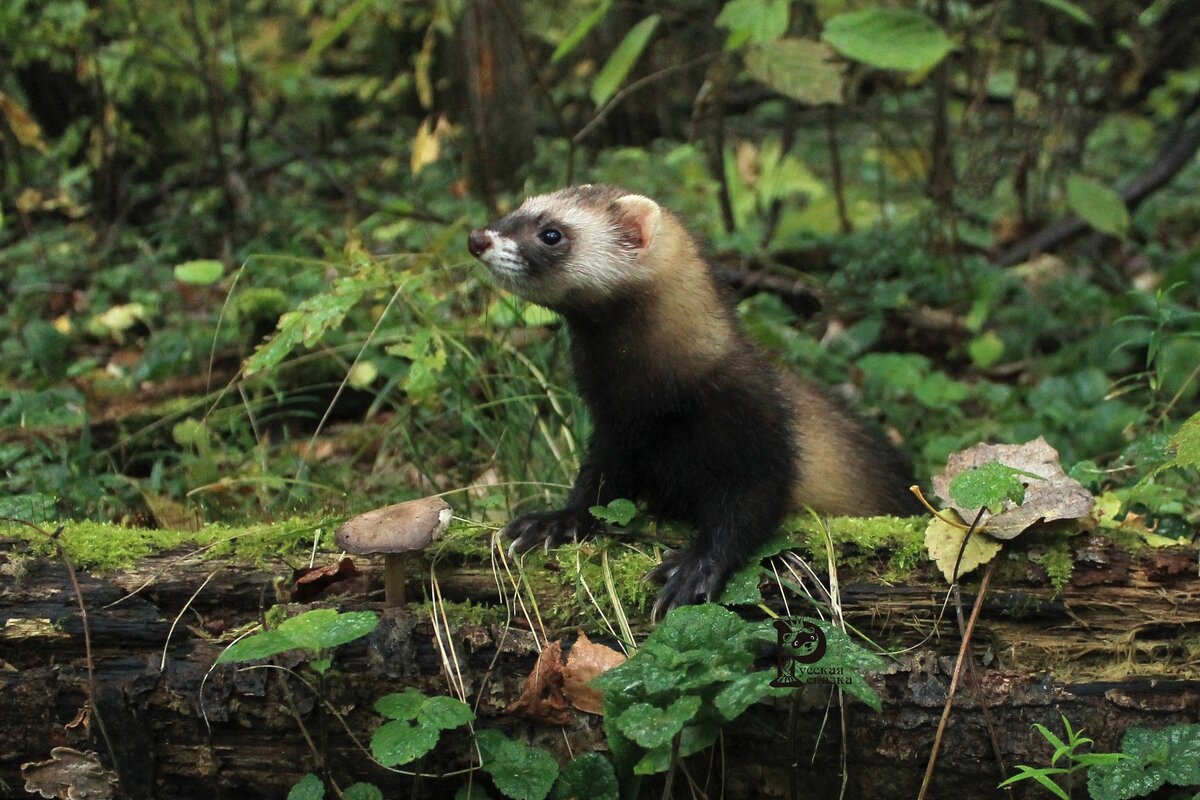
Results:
<point x="398" y="528"/>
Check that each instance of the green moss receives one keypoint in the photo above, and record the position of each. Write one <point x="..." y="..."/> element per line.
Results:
<point x="467" y="539"/>
<point x="101" y="546"/>
<point x="1058" y="564"/>
<point x="862" y="540"/>
<point x="583" y="568"/>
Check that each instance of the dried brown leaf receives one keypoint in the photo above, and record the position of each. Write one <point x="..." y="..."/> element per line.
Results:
<point x="1056" y="496"/>
<point x="542" y="698"/>
<point x="586" y="661"/>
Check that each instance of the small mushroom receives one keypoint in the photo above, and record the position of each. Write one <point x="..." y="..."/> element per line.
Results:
<point x="395" y="531"/>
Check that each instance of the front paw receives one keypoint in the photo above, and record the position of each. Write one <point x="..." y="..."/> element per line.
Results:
<point x="687" y="577"/>
<point x="548" y="529"/>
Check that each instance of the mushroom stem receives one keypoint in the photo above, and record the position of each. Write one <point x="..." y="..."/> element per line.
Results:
<point x="395" y="570"/>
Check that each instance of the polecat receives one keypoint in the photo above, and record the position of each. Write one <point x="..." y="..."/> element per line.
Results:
<point x="690" y="418"/>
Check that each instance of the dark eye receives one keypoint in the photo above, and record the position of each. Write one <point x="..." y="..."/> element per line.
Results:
<point x="550" y="236"/>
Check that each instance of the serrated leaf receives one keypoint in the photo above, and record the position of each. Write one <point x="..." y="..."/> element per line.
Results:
<point x="622" y="60"/>
<point x="401" y="705"/>
<point x="202" y="272"/>
<point x="651" y="726"/>
<point x="988" y="486"/>
<point x="617" y="512"/>
<point x="798" y="68"/>
<point x="445" y="713"/>
<point x="754" y="21"/>
<point x="1098" y="205"/>
<point x="589" y="775"/>
<point x="580" y="31"/>
<point x="520" y="771"/>
<point x="889" y="38"/>
<point x="1170" y="755"/>
<point x="401" y="741"/>
<point x="1185" y="444"/>
<point x="362" y="791"/>
<point x="316" y="630"/>
<point x="311" y="320"/>
<point x="309" y="787"/>
<point x="745" y="691"/>
<point x="325" y="628"/>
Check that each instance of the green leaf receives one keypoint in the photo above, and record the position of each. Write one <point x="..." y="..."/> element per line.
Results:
<point x="986" y="350"/>
<point x="520" y="771"/>
<point x="580" y="31"/>
<point x="1098" y="205"/>
<point x="47" y="347"/>
<point x="401" y="741"/>
<point x="587" y="775"/>
<point x="308" y="324"/>
<point x="331" y="33"/>
<point x="1185" y="444"/>
<point x="889" y="38"/>
<point x="1041" y="776"/>
<point x="622" y="60"/>
<point x="307" y="788"/>
<point x="798" y="68"/>
<point x="204" y="272"/>
<point x="754" y="21"/>
<point x="1170" y="755"/>
<point x="617" y="512"/>
<point x="745" y="691"/>
<point x="651" y="726"/>
<point x="988" y="486"/>
<point x="317" y="630"/>
<point x="401" y="705"/>
<point x="1071" y="10"/>
<point x="363" y="791"/>
<point x="417" y="722"/>
<point x="742" y="587"/>
<point x="446" y="712"/>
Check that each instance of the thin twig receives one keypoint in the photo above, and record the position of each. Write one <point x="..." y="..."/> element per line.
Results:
<point x="958" y="668"/>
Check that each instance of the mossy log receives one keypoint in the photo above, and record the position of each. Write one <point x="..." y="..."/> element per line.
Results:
<point x="1118" y="647"/>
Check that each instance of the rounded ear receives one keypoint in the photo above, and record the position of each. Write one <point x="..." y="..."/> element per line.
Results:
<point x="641" y="216"/>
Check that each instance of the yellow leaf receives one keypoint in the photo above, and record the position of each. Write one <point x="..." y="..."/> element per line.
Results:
<point x="24" y="127"/>
<point x="944" y="542"/>
<point x="425" y="146"/>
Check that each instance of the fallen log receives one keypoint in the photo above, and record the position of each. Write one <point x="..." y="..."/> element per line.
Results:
<point x="1115" y="649"/>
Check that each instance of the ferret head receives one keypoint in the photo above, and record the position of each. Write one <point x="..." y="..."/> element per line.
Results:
<point x="571" y="248"/>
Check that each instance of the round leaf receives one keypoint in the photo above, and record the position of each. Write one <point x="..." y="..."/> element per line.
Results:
<point x="889" y="38"/>
<point x="799" y="69"/>
<point x="1100" y="206"/>
<point x="203" y="272"/>
<point x="400" y="741"/>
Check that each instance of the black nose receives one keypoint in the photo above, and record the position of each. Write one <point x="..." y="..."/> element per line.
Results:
<point x="478" y="242"/>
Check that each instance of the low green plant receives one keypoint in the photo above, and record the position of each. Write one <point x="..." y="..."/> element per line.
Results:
<point x="692" y="676"/>
<point x="1075" y="758"/>
<point x="1149" y="760"/>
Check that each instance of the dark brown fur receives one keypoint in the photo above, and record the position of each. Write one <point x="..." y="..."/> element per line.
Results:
<point x="690" y="417"/>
